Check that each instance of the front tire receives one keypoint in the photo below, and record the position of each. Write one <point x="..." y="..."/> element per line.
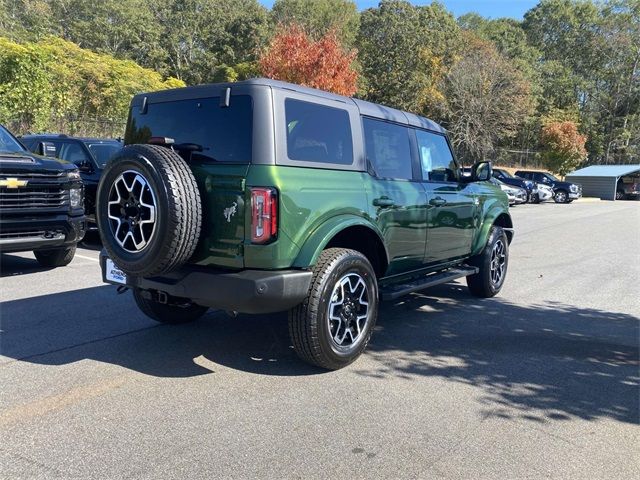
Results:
<point x="55" y="257"/>
<point x="561" y="196"/>
<point x="492" y="265"/>
<point x="167" y="313"/>
<point x="333" y="325"/>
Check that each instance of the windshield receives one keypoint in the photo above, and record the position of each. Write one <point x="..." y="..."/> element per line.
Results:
<point x="506" y="174"/>
<point x="8" y="144"/>
<point x="102" y="152"/>
<point x="551" y="177"/>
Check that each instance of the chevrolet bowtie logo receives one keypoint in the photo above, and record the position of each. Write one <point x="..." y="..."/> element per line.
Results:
<point x="13" y="183"/>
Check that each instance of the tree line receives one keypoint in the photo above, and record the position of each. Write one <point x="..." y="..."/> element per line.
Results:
<point x="562" y="85"/>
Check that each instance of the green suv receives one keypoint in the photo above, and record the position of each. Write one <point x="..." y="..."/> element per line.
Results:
<point x="262" y="196"/>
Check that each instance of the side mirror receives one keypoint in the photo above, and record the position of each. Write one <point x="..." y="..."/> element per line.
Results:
<point x="481" y="172"/>
<point x="85" y="166"/>
<point x="48" y="149"/>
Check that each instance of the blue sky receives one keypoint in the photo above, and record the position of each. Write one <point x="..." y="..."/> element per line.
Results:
<point x="489" y="8"/>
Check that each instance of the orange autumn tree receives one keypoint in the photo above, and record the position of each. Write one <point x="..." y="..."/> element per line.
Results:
<point x="293" y="56"/>
<point x="563" y="147"/>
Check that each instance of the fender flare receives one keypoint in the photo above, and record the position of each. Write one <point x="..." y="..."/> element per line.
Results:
<point x="489" y="220"/>
<point x="322" y="235"/>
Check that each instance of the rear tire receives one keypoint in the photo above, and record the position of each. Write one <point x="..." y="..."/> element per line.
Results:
<point x="492" y="265"/>
<point x="55" y="257"/>
<point x="165" y="313"/>
<point x="333" y="325"/>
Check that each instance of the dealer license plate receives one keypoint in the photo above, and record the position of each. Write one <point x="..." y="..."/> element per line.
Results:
<point x="114" y="274"/>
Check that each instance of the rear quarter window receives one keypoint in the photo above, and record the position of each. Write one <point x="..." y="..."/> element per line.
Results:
<point x="318" y="133"/>
<point x="223" y="134"/>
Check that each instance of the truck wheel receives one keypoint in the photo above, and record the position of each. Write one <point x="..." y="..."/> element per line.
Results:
<point x="166" y="313"/>
<point x="56" y="257"/>
<point x="333" y="325"/>
<point x="560" y="196"/>
<point x="492" y="263"/>
<point x="149" y="211"/>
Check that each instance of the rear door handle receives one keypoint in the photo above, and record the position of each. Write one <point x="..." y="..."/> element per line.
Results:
<point x="437" y="202"/>
<point x="383" y="202"/>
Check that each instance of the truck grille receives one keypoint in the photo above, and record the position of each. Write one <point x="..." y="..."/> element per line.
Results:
<point x="43" y="191"/>
<point x="49" y="197"/>
<point x="26" y="234"/>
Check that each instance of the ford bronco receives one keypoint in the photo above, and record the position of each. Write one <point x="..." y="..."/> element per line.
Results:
<point x="262" y="196"/>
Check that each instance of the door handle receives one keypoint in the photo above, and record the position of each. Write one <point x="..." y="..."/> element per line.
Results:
<point x="437" y="202"/>
<point x="383" y="202"/>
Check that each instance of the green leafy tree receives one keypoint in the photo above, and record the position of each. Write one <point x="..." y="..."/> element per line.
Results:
<point x="54" y="83"/>
<point x="200" y="36"/>
<point x="404" y="50"/>
<point x="318" y="17"/>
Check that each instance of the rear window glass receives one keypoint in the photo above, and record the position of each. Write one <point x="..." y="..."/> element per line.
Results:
<point x="222" y="134"/>
<point x="317" y="133"/>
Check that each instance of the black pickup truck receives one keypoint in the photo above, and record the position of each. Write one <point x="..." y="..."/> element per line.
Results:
<point x="41" y="204"/>
<point x="89" y="154"/>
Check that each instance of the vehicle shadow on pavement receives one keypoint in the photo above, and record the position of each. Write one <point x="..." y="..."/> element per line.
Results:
<point x="96" y="323"/>
<point x="14" y="265"/>
<point x="546" y="362"/>
<point x="538" y="363"/>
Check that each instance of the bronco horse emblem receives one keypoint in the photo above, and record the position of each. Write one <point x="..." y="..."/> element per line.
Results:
<point x="230" y="211"/>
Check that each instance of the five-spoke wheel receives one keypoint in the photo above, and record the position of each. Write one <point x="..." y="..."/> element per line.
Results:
<point x="498" y="262"/>
<point x="348" y="310"/>
<point x="132" y="211"/>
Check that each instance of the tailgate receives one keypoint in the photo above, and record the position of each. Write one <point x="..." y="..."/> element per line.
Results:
<point x="222" y="189"/>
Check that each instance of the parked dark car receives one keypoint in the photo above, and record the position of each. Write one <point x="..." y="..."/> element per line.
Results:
<point x="628" y="187"/>
<point x="530" y="187"/>
<point x="90" y="155"/>
<point x="40" y="204"/>
<point x="564" y="192"/>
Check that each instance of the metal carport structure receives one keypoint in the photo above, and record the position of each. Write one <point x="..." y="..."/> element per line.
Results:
<point x="601" y="180"/>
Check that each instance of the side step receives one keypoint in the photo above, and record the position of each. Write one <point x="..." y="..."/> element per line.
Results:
<point x="393" y="292"/>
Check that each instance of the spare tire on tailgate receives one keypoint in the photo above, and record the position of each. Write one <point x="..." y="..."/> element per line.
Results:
<point x="148" y="210"/>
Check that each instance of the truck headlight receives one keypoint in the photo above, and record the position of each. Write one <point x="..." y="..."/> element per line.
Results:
<point x="73" y="175"/>
<point x="573" y="188"/>
<point x="75" y="196"/>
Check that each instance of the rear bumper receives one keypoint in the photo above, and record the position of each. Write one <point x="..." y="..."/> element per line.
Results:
<point x="246" y="291"/>
<point x="29" y="233"/>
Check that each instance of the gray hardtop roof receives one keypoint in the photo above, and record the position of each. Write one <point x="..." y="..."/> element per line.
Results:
<point x="366" y="108"/>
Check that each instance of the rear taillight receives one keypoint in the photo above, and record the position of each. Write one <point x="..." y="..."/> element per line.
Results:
<point x="264" y="215"/>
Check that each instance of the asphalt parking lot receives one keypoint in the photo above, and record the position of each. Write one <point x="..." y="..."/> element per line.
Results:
<point x="542" y="381"/>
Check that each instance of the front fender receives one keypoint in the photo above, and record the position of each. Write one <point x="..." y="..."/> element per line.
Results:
<point x="321" y="236"/>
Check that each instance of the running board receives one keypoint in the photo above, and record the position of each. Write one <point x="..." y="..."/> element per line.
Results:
<point x="392" y="292"/>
